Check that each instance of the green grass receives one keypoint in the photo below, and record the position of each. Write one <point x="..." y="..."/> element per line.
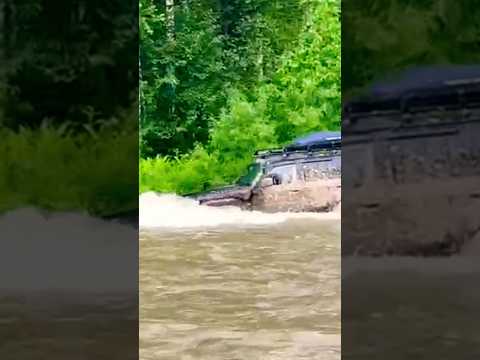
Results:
<point x="48" y="169"/>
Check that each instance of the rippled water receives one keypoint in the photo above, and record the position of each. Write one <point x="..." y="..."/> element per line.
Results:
<point x="411" y="308"/>
<point x="68" y="287"/>
<point x="268" y="291"/>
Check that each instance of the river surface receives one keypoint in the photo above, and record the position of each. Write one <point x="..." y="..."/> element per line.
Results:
<point x="229" y="284"/>
<point x="411" y="308"/>
<point x="224" y="284"/>
<point x="68" y="287"/>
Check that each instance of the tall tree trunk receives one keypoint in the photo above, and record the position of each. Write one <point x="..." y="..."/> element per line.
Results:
<point x="260" y="62"/>
<point x="223" y="17"/>
<point x="170" y="16"/>
<point x="141" y="111"/>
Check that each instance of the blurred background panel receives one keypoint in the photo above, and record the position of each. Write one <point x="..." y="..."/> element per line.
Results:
<point x="69" y="179"/>
<point x="410" y="85"/>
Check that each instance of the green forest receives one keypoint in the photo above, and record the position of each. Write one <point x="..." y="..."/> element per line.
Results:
<point x="218" y="80"/>
<point x="382" y="37"/>
<point x="69" y="105"/>
<point x="221" y="79"/>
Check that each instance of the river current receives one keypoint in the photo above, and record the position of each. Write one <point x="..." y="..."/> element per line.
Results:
<point x="221" y="283"/>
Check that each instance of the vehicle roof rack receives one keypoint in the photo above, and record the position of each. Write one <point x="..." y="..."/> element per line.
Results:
<point x="264" y="153"/>
<point x="314" y="142"/>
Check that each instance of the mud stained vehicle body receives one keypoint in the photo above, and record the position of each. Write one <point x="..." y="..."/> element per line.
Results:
<point x="304" y="176"/>
<point x="411" y="184"/>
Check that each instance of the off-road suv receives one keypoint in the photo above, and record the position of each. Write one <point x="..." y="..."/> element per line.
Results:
<point x="317" y="155"/>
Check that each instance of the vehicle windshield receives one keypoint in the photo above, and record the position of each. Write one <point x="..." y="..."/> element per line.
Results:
<point x="249" y="177"/>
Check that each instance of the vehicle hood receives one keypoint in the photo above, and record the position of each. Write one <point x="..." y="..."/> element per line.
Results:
<point x="230" y="191"/>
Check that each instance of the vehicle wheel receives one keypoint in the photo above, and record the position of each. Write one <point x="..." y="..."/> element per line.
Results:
<point x="276" y="180"/>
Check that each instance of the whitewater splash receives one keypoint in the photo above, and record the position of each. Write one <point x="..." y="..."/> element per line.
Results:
<point x="175" y="212"/>
<point x="66" y="251"/>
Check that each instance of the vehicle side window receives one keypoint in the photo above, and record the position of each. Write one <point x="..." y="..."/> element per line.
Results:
<point x="283" y="174"/>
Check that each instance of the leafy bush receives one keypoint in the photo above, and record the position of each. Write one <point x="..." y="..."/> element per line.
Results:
<point x="50" y="169"/>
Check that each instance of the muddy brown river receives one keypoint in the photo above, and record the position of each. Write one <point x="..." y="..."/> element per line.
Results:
<point x="247" y="286"/>
<point x="224" y="284"/>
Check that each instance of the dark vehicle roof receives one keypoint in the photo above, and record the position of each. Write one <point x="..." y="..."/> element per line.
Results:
<point x="316" y="137"/>
<point x="317" y="140"/>
<point x="431" y="86"/>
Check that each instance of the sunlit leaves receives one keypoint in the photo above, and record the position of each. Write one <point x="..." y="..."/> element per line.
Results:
<point x="217" y="45"/>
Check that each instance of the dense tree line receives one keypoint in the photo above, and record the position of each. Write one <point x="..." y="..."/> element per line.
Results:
<point x="67" y="61"/>
<point x="381" y="37"/>
<point x="223" y="79"/>
<point x="69" y="105"/>
<point x="193" y="53"/>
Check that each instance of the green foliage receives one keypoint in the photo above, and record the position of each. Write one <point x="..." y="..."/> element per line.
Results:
<point x="197" y="171"/>
<point x="181" y="79"/>
<point x="305" y="92"/>
<point x="187" y="70"/>
<point x="76" y="67"/>
<point x="302" y="94"/>
<point x="51" y="168"/>
<point x="256" y="33"/>
<point x="384" y="37"/>
<point x="242" y="129"/>
<point x="69" y="78"/>
<point x="188" y="173"/>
